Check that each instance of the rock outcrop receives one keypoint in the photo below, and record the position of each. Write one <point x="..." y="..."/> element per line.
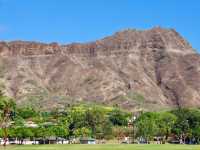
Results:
<point x="152" y="69"/>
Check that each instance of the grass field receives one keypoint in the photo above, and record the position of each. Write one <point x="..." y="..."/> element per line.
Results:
<point x="103" y="147"/>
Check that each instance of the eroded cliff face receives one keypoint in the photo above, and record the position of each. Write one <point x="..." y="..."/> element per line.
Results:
<point x="151" y="69"/>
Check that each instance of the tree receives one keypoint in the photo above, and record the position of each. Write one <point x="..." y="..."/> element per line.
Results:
<point x="23" y="132"/>
<point x="95" y="118"/>
<point x="76" y="118"/>
<point x="60" y="131"/>
<point x="26" y="112"/>
<point x="196" y="135"/>
<point x="1" y="133"/>
<point x="119" y="118"/>
<point x="7" y="107"/>
<point x="41" y="132"/>
<point x="121" y="131"/>
<point x="147" y="126"/>
<point x="104" y="129"/>
<point x="166" y="122"/>
<point x="83" y="132"/>
<point x="187" y="124"/>
<point x="182" y="126"/>
<point x="11" y="133"/>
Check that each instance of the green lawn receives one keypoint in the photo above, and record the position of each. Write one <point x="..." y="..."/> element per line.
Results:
<point x="103" y="147"/>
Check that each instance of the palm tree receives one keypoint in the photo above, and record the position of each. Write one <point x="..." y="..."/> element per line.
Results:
<point x="7" y="107"/>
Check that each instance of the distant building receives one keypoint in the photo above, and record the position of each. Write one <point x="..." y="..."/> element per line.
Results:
<point x="87" y="141"/>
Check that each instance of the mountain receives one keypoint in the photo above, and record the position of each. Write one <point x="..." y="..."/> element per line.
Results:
<point x="150" y="69"/>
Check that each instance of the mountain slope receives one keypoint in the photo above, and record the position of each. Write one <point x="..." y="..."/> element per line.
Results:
<point x="151" y="69"/>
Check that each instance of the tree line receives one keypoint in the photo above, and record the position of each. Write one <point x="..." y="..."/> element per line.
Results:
<point x="98" y="122"/>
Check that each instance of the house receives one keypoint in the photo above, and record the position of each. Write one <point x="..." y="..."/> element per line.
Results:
<point x="87" y="141"/>
<point x="62" y="141"/>
<point x="49" y="140"/>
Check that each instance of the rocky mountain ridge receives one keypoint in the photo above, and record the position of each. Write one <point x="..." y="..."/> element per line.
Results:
<point x="150" y="69"/>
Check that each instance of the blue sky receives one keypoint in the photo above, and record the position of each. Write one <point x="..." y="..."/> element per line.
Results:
<point x="66" y="21"/>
